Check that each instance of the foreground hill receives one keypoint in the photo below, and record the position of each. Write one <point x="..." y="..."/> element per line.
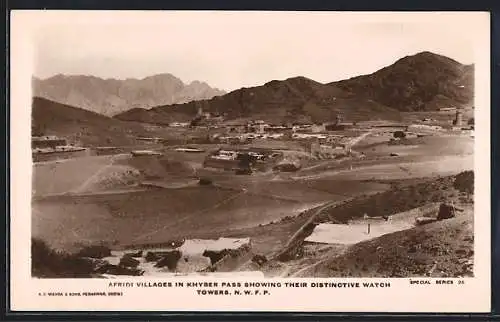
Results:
<point x="111" y="96"/>
<point x="424" y="81"/>
<point x="440" y="249"/>
<point x="290" y="100"/>
<point x="80" y="126"/>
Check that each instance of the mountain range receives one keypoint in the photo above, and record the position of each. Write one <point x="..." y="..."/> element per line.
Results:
<point x="112" y="96"/>
<point x="421" y="82"/>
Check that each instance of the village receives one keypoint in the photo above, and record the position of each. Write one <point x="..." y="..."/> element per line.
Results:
<point x="244" y="165"/>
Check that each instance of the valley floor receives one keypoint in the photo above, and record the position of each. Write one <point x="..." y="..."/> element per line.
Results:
<point x="125" y="202"/>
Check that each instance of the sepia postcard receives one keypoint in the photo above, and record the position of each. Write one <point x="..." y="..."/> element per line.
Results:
<point x="250" y="161"/>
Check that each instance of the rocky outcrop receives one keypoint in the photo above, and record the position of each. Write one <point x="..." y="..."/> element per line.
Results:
<point x="169" y="260"/>
<point x="128" y="261"/>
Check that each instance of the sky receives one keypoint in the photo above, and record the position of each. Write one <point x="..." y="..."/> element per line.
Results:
<point x="229" y="50"/>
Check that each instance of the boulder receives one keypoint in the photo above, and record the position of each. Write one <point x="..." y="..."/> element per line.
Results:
<point x="215" y="256"/>
<point x="446" y="211"/>
<point x="464" y="182"/>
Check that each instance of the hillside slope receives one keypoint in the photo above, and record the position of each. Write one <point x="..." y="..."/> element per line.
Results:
<point x="290" y="100"/>
<point x="111" y="96"/>
<point x="424" y="81"/>
<point x="440" y="249"/>
<point x="80" y="126"/>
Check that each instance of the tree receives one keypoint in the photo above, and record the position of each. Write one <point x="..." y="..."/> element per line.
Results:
<point x="464" y="182"/>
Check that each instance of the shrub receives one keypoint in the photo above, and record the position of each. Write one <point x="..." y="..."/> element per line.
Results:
<point x="464" y="182"/>
<point x="49" y="263"/>
<point x="259" y="259"/>
<point x="169" y="260"/>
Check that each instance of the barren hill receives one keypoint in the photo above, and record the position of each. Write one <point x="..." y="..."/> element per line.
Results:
<point x="112" y="96"/>
<point x="441" y="249"/>
<point x="289" y="100"/>
<point x="424" y="81"/>
<point x="80" y="126"/>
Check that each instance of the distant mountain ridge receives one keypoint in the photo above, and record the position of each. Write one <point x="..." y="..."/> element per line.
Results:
<point x="420" y="82"/>
<point x="112" y="96"/>
<point x="291" y="100"/>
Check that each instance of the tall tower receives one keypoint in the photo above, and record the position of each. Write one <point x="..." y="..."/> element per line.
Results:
<point x="459" y="118"/>
<point x="338" y="119"/>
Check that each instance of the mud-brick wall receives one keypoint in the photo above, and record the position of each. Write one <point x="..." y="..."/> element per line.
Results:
<point x="39" y="157"/>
